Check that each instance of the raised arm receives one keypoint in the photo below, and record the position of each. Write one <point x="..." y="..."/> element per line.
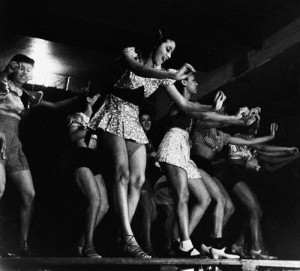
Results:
<point x="257" y="140"/>
<point x="187" y="106"/>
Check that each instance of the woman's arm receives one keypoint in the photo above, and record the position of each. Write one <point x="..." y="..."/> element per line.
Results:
<point x="75" y="133"/>
<point x="251" y="141"/>
<point x="58" y="105"/>
<point x="185" y="105"/>
<point x="275" y="149"/>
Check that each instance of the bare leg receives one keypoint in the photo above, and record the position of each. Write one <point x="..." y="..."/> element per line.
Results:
<point x="137" y="167"/>
<point x="2" y="180"/>
<point x="87" y="184"/>
<point x="146" y="204"/>
<point x="198" y="189"/>
<point x="104" y="206"/>
<point x="178" y="180"/>
<point x="127" y="198"/>
<point x="249" y="200"/>
<point x="229" y="207"/>
<point x="220" y="201"/>
<point x="23" y="181"/>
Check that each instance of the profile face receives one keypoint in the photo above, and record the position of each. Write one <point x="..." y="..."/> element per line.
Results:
<point x="164" y="52"/>
<point x="24" y="73"/>
<point x="191" y="84"/>
<point x="145" y="121"/>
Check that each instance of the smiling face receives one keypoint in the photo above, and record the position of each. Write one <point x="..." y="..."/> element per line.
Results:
<point x="23" y="74"/>
<point x="145" y="121"/>
<point x="163" y="52"/>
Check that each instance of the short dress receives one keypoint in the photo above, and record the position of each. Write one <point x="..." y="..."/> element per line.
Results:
<point x="119" y="114"/>
<point x="175" y="146"/>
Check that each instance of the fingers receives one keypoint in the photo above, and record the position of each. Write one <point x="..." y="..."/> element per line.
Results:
<point x="189" y="67"/>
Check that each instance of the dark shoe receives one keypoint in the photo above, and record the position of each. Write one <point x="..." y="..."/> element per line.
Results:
<point x="149" y="250"/>
<point x="134" y="251"/>
<point x="90" y="252"/>
<point x="188" y="254"/>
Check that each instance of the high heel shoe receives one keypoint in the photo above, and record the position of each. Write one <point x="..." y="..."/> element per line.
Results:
<point x="134" y="250"/>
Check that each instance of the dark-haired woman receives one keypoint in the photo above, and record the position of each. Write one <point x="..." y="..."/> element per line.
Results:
<point x="117" y="123"/>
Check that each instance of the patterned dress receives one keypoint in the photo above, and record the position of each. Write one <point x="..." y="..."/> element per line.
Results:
<point x="119" y="114"/>
<point x="175" y="146"/>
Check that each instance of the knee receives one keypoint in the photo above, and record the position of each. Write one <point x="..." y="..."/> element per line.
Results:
<point x="182" y="197"/>
<point x="221" y="201"/>
<point x="95" y="200"/>
<point x="122" y="176"/>
<point x="206" y="200"/>
<point x="137" y="181"/>
<point x="256" y="211"/>
<point x="104" y="207"/>
<point x="2" y="189"/>
<point x="229" y="208"/>
<point x="29" y="197"/>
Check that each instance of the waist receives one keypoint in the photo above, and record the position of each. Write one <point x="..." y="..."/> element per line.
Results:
<point x="134" y="96"/>
<point x="9" y="121"/>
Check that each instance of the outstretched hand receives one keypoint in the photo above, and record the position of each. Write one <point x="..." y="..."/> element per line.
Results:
<point x="243" y="112"/>
<point x="219" y="100"/>
<point x="184" y="71"/>
<point x="273" y="128"/>
<point x="2" y="146"/>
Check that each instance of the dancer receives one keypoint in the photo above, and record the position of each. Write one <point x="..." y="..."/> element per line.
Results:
<point x="13" y="163"/>
<point x="117" y="123"/>
<point x="174" y="155"/>
<point x="87" y="174"/>
<point x="147" y="201"/>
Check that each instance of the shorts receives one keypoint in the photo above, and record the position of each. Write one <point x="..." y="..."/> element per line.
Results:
<point x="175" y="150"/>
<point x="15" y="158"/>
<point x="234" y="173"/>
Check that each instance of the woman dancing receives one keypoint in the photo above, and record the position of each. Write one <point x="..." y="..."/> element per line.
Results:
<point x="117" y="123"/>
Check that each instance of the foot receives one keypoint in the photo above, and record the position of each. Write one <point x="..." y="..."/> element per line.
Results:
<point x="149" y="249"/>
<point x="133" y="250"/>
<point x="217" y="253"/>
<point x="239" y="250"/>
<point x="90" y="252"/>
<point x="261" y="255"/>
<point x="192" y="253"/>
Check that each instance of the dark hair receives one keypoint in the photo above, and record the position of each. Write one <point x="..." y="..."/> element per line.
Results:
<point x="23" y="58"/>
<point x="151" y="41"/>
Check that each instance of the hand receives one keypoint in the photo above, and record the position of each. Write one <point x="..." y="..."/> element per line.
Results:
<point x="294" y="150"/>
<point x="243" y="112"/>
<point x="219" y="100"/>
<point x="184" y="71"/>
<point x="2" y="146"/>
<point x="12" y="67"/>
<point x="249" y="120"/>
<point x="273" y="128"/>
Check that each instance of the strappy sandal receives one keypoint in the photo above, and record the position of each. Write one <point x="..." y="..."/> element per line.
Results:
<point x="134" y="251"/>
